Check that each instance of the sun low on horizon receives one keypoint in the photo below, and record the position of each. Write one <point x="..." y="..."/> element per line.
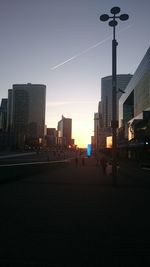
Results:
<point x="82" y="133"/>
<point x="82" y="115"/>
<point x="82" y="141"/>
<point x="81" y="130"/>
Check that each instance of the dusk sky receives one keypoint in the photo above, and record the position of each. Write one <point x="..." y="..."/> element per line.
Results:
<point x="64" y="45"/>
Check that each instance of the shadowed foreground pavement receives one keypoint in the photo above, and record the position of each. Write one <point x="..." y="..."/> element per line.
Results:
<point x="75" y="217"/>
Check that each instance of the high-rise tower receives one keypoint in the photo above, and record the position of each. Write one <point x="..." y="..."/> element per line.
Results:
<point x="28" y="112"/>
<point x="106" y="95"/>
<point x="65" y="131"/>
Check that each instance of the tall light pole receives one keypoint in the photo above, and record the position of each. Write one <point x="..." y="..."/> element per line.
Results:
<point x="113" y="23"/>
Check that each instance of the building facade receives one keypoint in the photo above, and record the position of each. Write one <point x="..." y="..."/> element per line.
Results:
<point x="3" y="115"/>
<point x="65" y="132"/>
<point x="105" y="105"/>
<point x="26" y="112"/>
<point x="51" y="137"/>
<point x="134" y="105"/>
<point x="9" y="110"/>
<point x="106" y="95"/>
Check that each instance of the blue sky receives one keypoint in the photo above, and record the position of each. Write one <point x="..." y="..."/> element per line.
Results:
<point x="63" y="44"/>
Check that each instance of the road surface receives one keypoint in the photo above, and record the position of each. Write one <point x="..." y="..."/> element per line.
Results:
<point x="73" y="216"/>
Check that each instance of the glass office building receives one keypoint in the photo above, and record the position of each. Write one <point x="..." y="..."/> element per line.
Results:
<point x="64" y="131"/>
<point x="105" y="112"/>
<point x="27" y="112"/>
<point x="106" y="95"/>
<point x="134" y="105"/>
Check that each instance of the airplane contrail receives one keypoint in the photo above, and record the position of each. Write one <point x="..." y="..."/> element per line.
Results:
<point x="86" y="50"/>
<point x="64" y="62"/>
<point x="81" y="53"/>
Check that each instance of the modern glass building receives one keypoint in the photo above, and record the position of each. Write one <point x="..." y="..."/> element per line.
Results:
<point x="106" y="104"/>
<point x="65" y="131"/>
<point x="134" y="105"/>
<point x="27" y="112"/>
<point x="106" y="95"/>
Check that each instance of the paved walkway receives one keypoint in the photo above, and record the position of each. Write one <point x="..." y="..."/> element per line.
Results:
<point x="73" y="216"/>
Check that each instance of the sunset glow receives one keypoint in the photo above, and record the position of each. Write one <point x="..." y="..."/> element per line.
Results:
<point x="64" y="46"/>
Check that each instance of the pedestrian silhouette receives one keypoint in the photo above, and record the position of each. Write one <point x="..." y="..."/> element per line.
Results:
<point x="83" y="161"/>
<point x="103" y="162"/>
<point x="76" y="161"/>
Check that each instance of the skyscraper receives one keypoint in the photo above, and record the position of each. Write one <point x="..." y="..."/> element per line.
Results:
<point x="106" y="95"/>
<point x="3" y="115"/>
<point x="9" y="111"/>
<point x="106" y="104"/>
<point x="28" y="112"/>
<point x="65" y="131"/>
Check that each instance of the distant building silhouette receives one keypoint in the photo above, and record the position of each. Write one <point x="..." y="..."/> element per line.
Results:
<point x="3" y="115"/>
<point x="51" y="137"/>
<point x="65" y="132"/>
<point x="9" y="110"/>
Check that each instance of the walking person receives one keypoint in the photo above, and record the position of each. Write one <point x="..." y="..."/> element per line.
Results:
<point x="103" y="162"/>
<point x="76" y="161"/>
<point x="83" y="161"/>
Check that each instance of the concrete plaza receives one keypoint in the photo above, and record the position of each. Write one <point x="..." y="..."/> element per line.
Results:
<point x="73" y="216"/>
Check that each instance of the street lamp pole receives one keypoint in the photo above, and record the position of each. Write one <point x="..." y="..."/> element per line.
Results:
<point x="113" y="23"/>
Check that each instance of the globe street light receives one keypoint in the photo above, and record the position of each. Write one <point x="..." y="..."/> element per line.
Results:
<point x="114" y="124"/>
